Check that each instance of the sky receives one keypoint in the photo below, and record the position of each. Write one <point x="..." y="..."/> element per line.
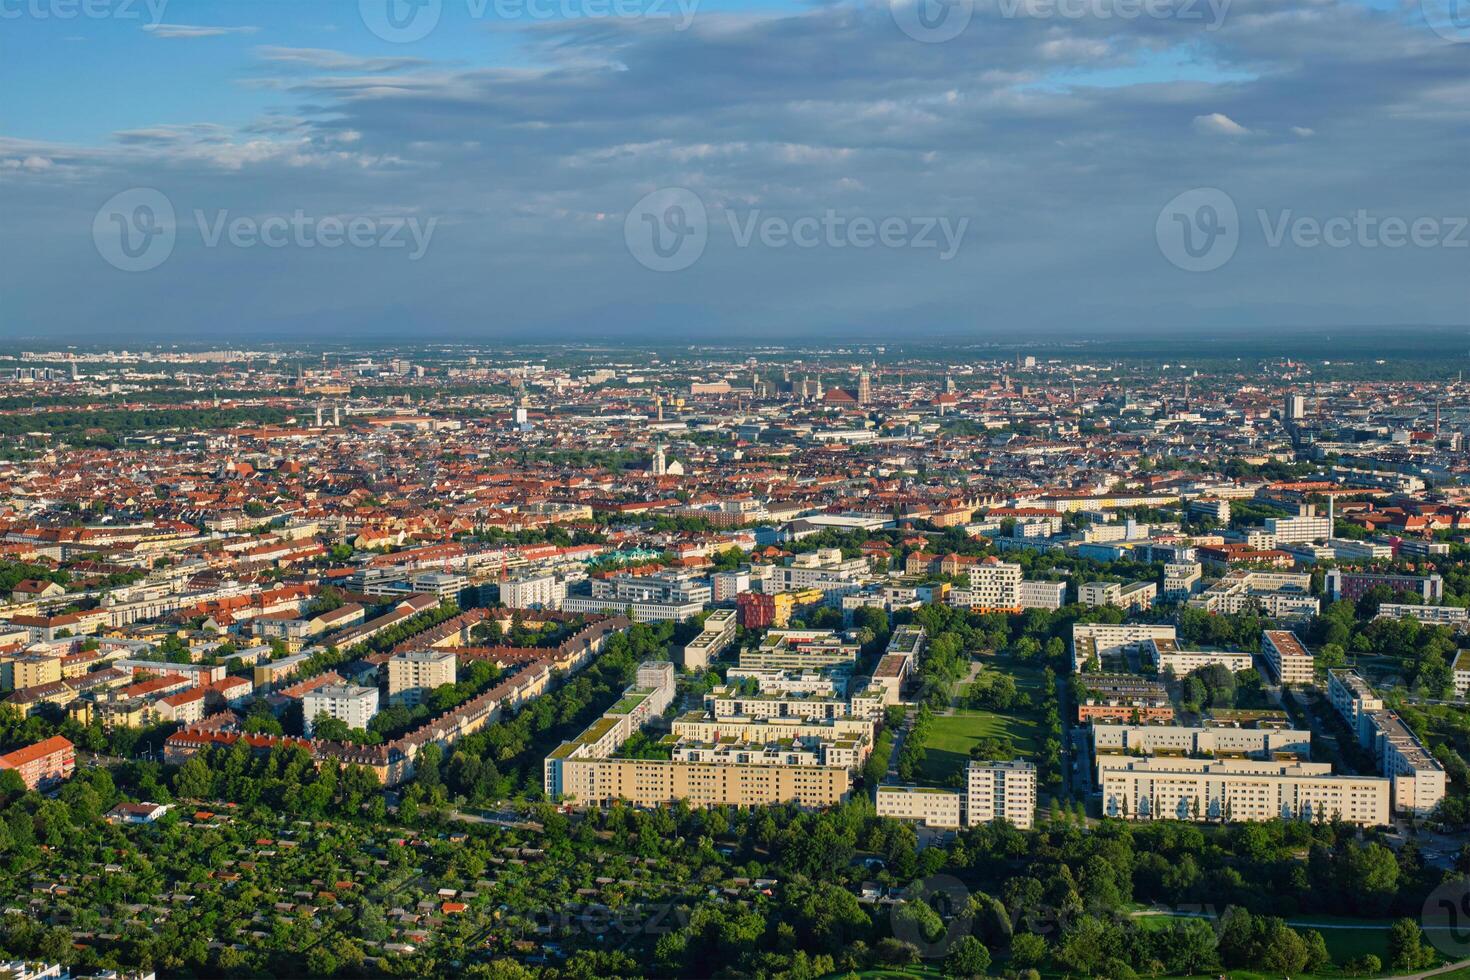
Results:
<point x="220" y="171"/>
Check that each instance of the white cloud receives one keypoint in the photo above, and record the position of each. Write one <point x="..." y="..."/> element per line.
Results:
<point x="1219" y="124"/>
<point x="190" y="31"/>
<point x="1303" y="131"/>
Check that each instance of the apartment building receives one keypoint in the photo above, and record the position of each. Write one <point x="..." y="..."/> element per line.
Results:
<point x="1307" y="526"/>
<point x="1106" y="641"/>
<point x="1280" y="595"/>
<point x="1124" y="698"/>
<point x="1170" y="658"/>
<point x="1174" y="788"/>
<point x="1135" y="595"/>
<point x="1457" y="616"/>
<point x="725" y="586"/>
<point x="993" y="791"/>
<point x="534" y="591"/>
<point x="413" y="673"/>
<point x="1353" y="585"/>
<point x="1261" y="734"/>
<point x="717" y="634"/>
<point x="1418" y="780"/>
<point x="348" y="703"/>
<point x="44" y="764"/>
<point x="1181" y="580"/>
<point x="994" y="585"/>
<point x="1460" y="671"/>
<point x="1289" y="660"/>
<point x="898" y="663"/>
<point x="802" y="650"/>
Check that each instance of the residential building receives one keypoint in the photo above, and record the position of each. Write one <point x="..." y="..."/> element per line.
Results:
<point x="993" y="791"/>
<point x="44" y="764"/>
<point x="413" y="673"/>
<point x="1289" y="660"/>
<point x="718" y="632"/>
<point x="348" y="703"/>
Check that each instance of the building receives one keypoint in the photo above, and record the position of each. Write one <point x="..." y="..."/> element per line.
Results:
<point x="534" y="592"/>
<point x="1288" y="659"/>
<point x="718" y="633"/>
<point x="1305" y="526"/>
<point x="44" y="764"/>
<point x="1280" y="595"/>
<point x="1170" y="658"/>
<point x="1418" y="779"/>
<point x="1353" y="585"/>
<point x="1461" y="672"/>
<point x="993" y="791"/>
<point x="413" y="672"/>
<point x="1430" y="615"/>
<point x="898" y="663"/>
<point x="802" y="650"/>
<point x="1232" y="790"/>
<point x="1181" y="580"/>
<point x="1124" y="698"/>
<point x="348" y="703"/>
<point x="1135" y="595"/>
<point x="1106" y="641"/>
<point x="1262" y="734"/>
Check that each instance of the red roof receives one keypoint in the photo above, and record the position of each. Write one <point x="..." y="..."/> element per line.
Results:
<point x="32" y="753"/>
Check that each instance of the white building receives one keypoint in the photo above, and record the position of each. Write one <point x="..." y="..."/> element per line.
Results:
<point x="534" y="592"/>
<point x="993" y="791"/>
<point x="346" y="702"/>
<point x="1289" y="660"/>
<point x="413" y="672"/>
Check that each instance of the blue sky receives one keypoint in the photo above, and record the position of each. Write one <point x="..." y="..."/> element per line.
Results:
<point x="520" y="148"/>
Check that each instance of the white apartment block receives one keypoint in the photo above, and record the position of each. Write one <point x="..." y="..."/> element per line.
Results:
<point x="413" y="672"/>
<point x="1288" y="659"/>
<point x="1238" y="790"/>
<point x="638" y="611"/>
<point x="1433" y="615"/>
<point x="995" y="585"/>
<point x="1134" y="595"/>
<point x="1041" y="595"/>
<point x="993" y="791"/>
<point x="725" y="586"/>
<point x="1181" y="580"/>
<point x="1109" y="640"/>
<point x="1168" y="657"/>
<point x="718" y="632"/>
<point x="1304" y="527"/>
<point x="1461" y="673"/>
<point x="1281" y="595"/>
<point x="1209" y="739"/>
<point x="534" y="592"/>
<point x="1418" y="778"/>
<point x="346" y="702"/>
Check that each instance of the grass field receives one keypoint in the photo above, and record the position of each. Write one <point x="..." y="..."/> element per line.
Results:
<point x="947" y="749"/>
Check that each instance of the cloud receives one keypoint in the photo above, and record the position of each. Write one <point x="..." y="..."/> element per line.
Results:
<point x="324" y="59"/>
<point x="1219" y="124"/>
<point x="1303" y="131"/>
<point x="190" y="31"/>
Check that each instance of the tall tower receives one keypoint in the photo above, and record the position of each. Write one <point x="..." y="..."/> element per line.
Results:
<point x="337" y="413"/>
<point x="318" y="415"/>
<point x="660" y="462"/>
<point x="865" y="387"/>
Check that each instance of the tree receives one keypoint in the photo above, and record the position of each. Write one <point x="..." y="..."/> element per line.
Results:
<point x="968" y="957"/>
<point x="1028" y="950"/>
<point x="1406" y="947"/>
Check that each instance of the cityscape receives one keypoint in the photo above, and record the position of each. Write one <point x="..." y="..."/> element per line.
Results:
<point x="456" y="660"/>
<point x="734" y="489"/>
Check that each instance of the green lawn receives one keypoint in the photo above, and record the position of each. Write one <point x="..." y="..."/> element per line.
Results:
<point x="947" y="749"/>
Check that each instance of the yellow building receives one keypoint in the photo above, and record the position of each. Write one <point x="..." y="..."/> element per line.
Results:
<point x="659" y="782"/>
